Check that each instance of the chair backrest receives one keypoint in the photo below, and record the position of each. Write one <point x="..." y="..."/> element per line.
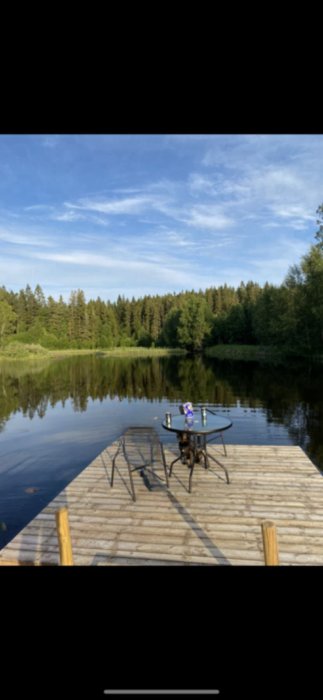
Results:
<point x="141" y="432"/>
<point x="138" y="443"/>
<point x="181" y="409"/>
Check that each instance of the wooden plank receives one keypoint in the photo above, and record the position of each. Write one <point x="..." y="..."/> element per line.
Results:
<point x="16" y="562"/>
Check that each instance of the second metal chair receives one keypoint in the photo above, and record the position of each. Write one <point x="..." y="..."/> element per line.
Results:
<point x="142" y="449"/>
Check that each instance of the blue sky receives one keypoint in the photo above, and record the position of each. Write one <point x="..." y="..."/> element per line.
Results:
<point x="151" y="214"/>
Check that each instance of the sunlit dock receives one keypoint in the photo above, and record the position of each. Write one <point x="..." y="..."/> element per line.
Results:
<point x="218" y="523"/>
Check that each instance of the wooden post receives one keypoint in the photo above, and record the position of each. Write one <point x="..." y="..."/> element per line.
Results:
<point x="64" y="537"/>
<point x="269" y="538"/>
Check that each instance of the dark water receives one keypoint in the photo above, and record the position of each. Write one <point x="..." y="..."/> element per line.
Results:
<point x="55" y="417"/>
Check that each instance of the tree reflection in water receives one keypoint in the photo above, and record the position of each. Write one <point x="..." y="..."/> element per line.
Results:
<point x="289" y="396"/>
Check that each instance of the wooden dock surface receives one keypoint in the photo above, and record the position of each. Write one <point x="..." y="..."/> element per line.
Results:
<point x="218" y="523"/>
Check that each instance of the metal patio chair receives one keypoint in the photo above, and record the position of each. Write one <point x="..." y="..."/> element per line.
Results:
<point x="218" y="435"/>
<point x="142" y="449"/>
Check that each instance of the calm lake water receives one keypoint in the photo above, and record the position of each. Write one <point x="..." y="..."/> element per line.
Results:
<point x="56" y="416"/>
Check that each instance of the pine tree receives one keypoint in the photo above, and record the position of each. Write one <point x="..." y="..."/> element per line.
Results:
<point x="8" y="319"/>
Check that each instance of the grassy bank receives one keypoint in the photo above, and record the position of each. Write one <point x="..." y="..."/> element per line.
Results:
<point x="247" y="353"/>
<point x="123" y="352"/>
<point x="24" y="351"/>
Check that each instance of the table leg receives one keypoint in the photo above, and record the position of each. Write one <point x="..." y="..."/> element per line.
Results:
<point x="173" y="462"/>
<point x="224" y="447"/>
<point x="192" y="449"/>
<point x="191" y="465"/>
<point x="208" y="456"/>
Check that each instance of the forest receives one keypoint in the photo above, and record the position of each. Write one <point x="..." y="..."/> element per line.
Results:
<point x="289" y="316"/>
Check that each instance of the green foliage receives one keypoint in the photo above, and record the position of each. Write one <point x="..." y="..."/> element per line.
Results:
<point x="144" y="339"/>
<point x="8" y="320"/>
<point x="312" y="297"/>
<point x="17" y="350"/>
<point x="246" y="353"/>
<point x="193" y="323"/>
<point x="169" y="333"/>
<point x="230" y="327"/>
<point x="319" y="233"/>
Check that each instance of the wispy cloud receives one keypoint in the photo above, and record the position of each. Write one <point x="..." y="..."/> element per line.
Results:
<point x="209" y="217"/>
<point x="76" y="257"/>
<point x="127" y="268"/>
<point x="293" y="211"/>
<point x="50" y="141"/>
<point x="23" y="238"/>
<point x="68" y="216"/>
<point x="39" y="208"/>
<point x="198" y="183"/>
<point x="128" y="205"/>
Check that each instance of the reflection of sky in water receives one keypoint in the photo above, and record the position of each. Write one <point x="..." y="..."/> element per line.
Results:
<point x="104" y="420"/>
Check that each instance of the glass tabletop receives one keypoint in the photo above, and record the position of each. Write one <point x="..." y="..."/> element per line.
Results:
<point x="211" y="424"/>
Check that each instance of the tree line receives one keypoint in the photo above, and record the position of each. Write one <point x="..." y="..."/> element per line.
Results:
<point x="289" y="315"/>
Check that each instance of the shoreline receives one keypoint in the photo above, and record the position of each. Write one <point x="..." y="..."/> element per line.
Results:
<point x="37" y="352"/>
<point x="247" y="353"/>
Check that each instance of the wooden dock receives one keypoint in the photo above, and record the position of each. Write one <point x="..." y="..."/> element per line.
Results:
<point x="218" y="523"/>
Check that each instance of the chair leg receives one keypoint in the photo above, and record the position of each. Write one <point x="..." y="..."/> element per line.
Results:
<point x="192" y="462"/>
<point x="113" y="463"/>
<point x="224" y="447"/>
<point x="164" y="463"/>
<point x="131" y="479"/>
<point x="132" y="484"/>
<point x="129" y="470"/>
<point x="205" y="457"/>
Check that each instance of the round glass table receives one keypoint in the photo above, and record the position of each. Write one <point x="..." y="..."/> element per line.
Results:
<point x="192" y="439"/>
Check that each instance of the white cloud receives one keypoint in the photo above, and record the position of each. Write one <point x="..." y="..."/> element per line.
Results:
<point x="147" y="269"/>
<point x="179" y="239"/>
<point x="24" y="238"/>
<point x="128" y="205"/>
<point x="209" y="217"/>
<point x="50" y="141"/>
<point x="38" y="207"/>
<point x="199" y="183"/>
<point x="158" y="196"/>
<point x="272" y="224"/>
<point x="289" y="211"/>
<point x="68" y="216"/>
<point x="88" y="259"/>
